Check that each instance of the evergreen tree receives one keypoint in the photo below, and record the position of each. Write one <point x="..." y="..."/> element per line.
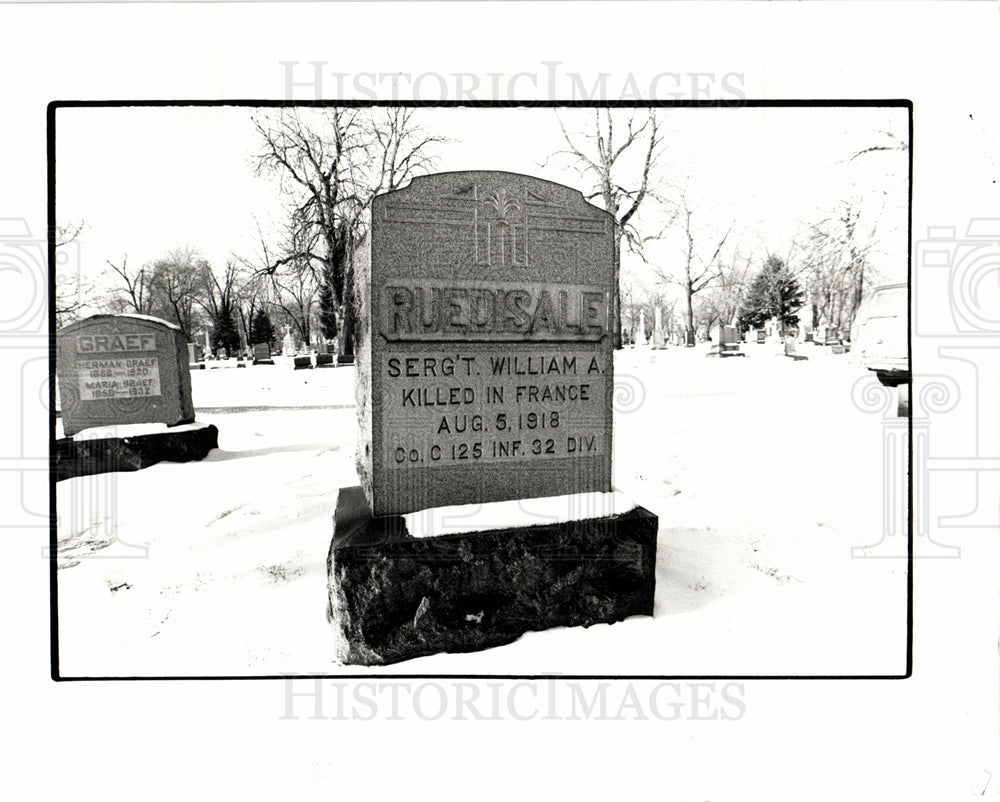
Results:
<point x="225" y="334"/>
<point x="261" y="330"/>
<point x="775" y="292"/>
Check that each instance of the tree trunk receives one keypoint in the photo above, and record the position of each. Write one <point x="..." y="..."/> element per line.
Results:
<point x="616" y="301"/>
<point x="859" y="288"/>
<point x="689" y="314"/>
<point x="347" y="309"/>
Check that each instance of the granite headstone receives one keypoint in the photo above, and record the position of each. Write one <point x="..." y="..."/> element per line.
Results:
<point x="484" y="374"/>
<point x="484" y="351"/>
<point x="122" y="369"/>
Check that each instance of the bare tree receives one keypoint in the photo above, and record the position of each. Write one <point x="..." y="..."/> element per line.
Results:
<point x="840" y="247"/>
<point x="331" y="165"/>
<point x="600" y="156"/>
<point x="257" y="289"/>
<point x="723" y="300"/>
<point x="72" y="290"/>
<point x="889" y="142"/>
<point x="137" y="295"/>
<point x="175" y="282"/>
<point x="295" y="288"/>
<point x="701" y="259"/>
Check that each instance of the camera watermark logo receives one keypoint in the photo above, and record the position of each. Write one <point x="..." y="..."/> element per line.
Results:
<point x="956" y="291"/>
<point x="87" y="511"/>
<point x="964" y="270"/>
<point x="936" y="394"/>
<point x="24" y="278"/>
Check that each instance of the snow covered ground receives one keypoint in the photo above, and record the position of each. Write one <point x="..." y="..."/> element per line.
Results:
<point x="764" y="473"/>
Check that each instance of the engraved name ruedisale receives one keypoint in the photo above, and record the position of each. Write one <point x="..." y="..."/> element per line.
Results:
<point x="485" y="356"/>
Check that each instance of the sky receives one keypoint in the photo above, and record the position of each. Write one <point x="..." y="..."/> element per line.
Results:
<point x="148" y="180"/>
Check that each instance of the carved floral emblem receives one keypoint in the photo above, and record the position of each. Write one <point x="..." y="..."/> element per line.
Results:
<point x="503" y="205"/>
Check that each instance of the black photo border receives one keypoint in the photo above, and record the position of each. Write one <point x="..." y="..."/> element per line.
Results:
<point x="54" y="106"/>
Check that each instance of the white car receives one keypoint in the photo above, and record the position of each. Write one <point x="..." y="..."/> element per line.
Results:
<point x="879" y="334"/>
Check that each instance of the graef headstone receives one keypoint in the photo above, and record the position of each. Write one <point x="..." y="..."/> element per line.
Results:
<point x="484" y="352"/>
<point x="122" y="369"/>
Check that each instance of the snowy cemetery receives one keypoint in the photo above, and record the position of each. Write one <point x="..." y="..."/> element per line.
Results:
<point x="485" y="446"/>
<point x="219" y="566"/>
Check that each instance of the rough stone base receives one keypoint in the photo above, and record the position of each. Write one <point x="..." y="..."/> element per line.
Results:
<point x="85" y="457"/>
<point x="394" y="597"/>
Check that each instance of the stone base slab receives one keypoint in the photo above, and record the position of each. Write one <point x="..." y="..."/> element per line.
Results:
<point x="394" y="597"/>
<point x="84" y="457"/>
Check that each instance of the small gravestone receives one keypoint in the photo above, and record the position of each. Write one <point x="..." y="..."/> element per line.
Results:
<point x="640" y="334"/>
<point x="324" y="360"/>
<point x="123" y="371"/>
<point x="727" y="342"/>
<point x="659" y="339"/>
<point x="484" y="374"/>
<point x="262" y="354"/>
<point x="193" y="363"/>
<point x="790" y="350"/>
<point x="301" y="362"/>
